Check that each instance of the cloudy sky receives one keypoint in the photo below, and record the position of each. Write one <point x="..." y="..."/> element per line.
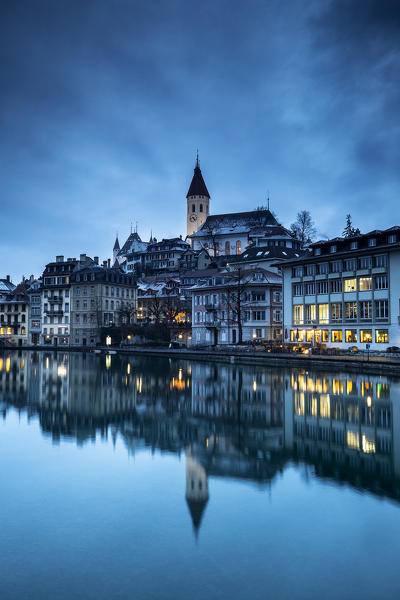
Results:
<point x="103" y="104"/>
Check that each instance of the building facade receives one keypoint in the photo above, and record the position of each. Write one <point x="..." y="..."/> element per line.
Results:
<point x="247" y="300"/>
<point x="198" y="202"/>
<point x="14" y="313"/>
<point x="101" y="296"/>
<point x="35" y="311"/>
<point x="345" y="293"/>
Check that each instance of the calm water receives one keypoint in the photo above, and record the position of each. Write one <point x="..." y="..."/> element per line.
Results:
<point x="155" y="478"/>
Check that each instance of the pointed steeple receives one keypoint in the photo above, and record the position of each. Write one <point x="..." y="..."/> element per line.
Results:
<point x="116" y="245"/>
<point x="198" y="187"/>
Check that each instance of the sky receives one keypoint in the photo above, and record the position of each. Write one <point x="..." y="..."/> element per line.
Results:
<point x="103" y="104"/>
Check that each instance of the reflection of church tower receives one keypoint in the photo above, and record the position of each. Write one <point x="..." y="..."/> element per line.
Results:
<point x="196" y="490"/>
<point x="198" y="201"/>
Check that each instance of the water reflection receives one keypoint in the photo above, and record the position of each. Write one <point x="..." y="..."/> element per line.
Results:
<point x="226" y="420"/>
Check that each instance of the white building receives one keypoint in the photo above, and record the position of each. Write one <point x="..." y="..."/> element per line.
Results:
<point x="345" y="293"/>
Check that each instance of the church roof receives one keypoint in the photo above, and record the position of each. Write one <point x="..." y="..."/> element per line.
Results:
<point x="134" y="237"/>
<point x="116" y="245"/>
<point x="197" y="187"/>
<point x="237" y="222"/>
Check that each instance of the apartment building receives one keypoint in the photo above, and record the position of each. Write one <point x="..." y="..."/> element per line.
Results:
<point x="14" y="312"/>
<point x="345" y="292"/>
<point x="250" y="300"/>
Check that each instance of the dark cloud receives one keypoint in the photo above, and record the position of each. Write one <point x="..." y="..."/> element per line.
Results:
<point x="103" y="104"/>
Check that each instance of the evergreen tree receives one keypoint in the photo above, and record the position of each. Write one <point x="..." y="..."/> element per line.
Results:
<point x="349" y="230"/>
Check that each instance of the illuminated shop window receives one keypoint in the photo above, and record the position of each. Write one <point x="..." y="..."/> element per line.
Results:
<point x="350" y="285"/>
<point x="351" y="336"/>
<point x="382" y="336"/>
<point x="337" y="335"/>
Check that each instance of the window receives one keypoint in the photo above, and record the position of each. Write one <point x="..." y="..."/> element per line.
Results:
<point x="336" y="311"/>
<point x="381" y="309"/>
<point x="366" y="310"/>
<point x="277" y="316"/>
<point x="372" y="242"/>
<point x="258" y="315"/>
<point x="336" y="266"/>
<point x="201" y="208"/>
<point x="333" y="248"/>
<point x="309" y="288"/>
<point x="366" y="336"/>
<point x="381" y="336"/>
<point x="317" y="251"/>
<point x="77" y="303"/>
<point x="323" y="268"/>
<point x="353" y="245"/>
<point x="298" y="314"/>
<point x="351" y="335"/>
<point x="227" y="248"/>
<point x="350" y="285"/>
<point x="366" y="262"/>
<point x="297" y="289"/>
<point x="311" y="269"/>
<point x="350" y="264"/>
<point x="322" y="287"/>
<point x="335" y="286"/>
<point x="351" y="311"/>
<point x="277" y="296"/>
<point x="297" y="272"/>
<point x="310" y="313"/>
<point x="77" y="291"/>
<point x="323" y="313"/>
<point x="238" y="247"/>
<point x="392" y="238"/>
<point x="193" y="208"/>
<point x="381" y="260"/>
<point x="381" y="282"/>
<point x="337" y="335"/>
<point x="67" y="306"/>
<point x="365" y="284"/>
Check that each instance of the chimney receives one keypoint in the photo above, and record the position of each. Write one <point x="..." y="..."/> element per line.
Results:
<point x="105" y="264"/>
<point x="60" y="258"/>
<point x="96" y="259"/>
<point x="109" y="262"/>
<point x="82" y="258"/>
<point x="8" y="278"/>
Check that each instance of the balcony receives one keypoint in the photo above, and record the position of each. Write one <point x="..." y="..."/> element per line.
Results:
<point x="212" y="324"/>
<point x="55" y="299"/>
<point x="51" y="312"/>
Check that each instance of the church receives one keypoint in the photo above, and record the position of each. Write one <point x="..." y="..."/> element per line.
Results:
<point x="231" y="234"/>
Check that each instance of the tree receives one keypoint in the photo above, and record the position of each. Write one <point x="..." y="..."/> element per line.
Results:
<point x="303" y="229"/>
<point x="349" y="230"/>
<point x="236" y="294"/>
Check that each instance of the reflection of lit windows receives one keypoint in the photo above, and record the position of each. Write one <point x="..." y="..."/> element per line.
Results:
<point x="353" y="440"/>
<point x="337" y="386"/>
<point x="368" y="445"/>
<point x="299" y="403"/>
<point x="325" y="406"/>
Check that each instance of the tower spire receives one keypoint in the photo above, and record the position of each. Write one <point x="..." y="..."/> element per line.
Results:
<point x="197" y="159"/>
<point x="268" y="199"/>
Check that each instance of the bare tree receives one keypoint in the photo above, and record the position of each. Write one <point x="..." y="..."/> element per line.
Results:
<point x="236" y="294"/>
<point x="303" y="229"/>
<point x="155" y="308"/>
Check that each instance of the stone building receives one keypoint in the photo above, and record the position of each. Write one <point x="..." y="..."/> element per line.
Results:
<point x="14" y="312"/>
<point x="35" y="311"/>
<point x="198" y="202"/>
<point x="101" y="296"/>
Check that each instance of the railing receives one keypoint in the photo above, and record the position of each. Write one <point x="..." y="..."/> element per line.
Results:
<point x="54" y="312"/>
<point x="210" y="306"/>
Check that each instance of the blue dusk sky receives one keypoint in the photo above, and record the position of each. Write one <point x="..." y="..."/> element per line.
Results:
<point x="103" y="104"/>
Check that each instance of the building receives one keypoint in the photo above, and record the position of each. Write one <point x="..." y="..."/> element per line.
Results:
<point x="198" y="202"/>
<point x="161" y="300"/>
<point x="56" y="301"/>
<point x="233" y="233"/>
<point x="241" y="305"/>
<point x="101" y="296"/>
<point x="345" y="292"/>
<point x="159" y="257"/>
<point x="35" y="311"/>
<point x="14" y="312"/>
<point x="133" y="248"/>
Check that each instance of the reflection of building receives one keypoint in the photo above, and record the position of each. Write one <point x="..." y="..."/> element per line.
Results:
<point x="196" y="489"/>
<point x="348" y="422"/>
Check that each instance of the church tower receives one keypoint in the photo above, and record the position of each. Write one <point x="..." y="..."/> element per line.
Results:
<point x="198" y="201"/>
<point x="196" y="489"/>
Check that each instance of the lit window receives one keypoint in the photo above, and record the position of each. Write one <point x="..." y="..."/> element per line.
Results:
<point x="337" y="335"/>
<point x="351" y="311"/>
<point x="366" y="336"/>
<point x="351" y="336"/>
<point x="365" y="284"/>
<point x="323" y="313"/>
<point x="238" y="247"/>
<point x="298" y="314"/>
<point x="227" y="248"/>
<point x="350" y="285"/>
<point x="310" y="313"/>
<point x="382" y="336"/>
